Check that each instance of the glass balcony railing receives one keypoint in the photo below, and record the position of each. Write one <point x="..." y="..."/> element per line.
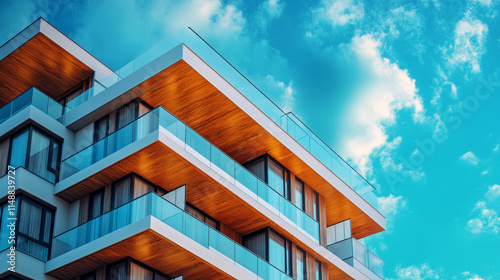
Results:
<point x="354" y="253"/>
<point x="31" y="97"/>
<point x="195" y="144"/>
<point x="289" y="122"/>
<point x="153" y="205"/>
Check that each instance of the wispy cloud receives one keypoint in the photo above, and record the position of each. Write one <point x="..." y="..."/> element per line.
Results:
<point x="493" y="192"/>
<point x="384" y="90"/>
<point x="487" y="220"/>
<point x="470" y="158"/>
<point x="340" y="12"/>
<point x="267" y="11"/>
<point x="424" y="271"/>
<point x="495" y="150"/>
<point x="390" y="205"/>
<point x="469" y="44"/>
<point x="285" y="92"/>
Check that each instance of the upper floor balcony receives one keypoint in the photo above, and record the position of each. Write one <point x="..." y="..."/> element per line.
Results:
<point x="208" y="154"/>
<point x="32" y="97"/>
<point x="171" y="254"/>
<point x="187" y="77"/>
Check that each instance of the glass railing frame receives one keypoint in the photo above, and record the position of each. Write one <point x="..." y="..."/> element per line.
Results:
<point x="33" y="94"/>
<point x="157" y="112"/>
<point x="353" y="244"/>
<point x="152" y="193"/>
<point x="159" y="50"/>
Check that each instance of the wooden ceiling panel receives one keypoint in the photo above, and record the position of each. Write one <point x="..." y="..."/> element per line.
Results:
<point x="190" y="97"/>
<point x="149" y="248"/>
<point x="43" y="64"/>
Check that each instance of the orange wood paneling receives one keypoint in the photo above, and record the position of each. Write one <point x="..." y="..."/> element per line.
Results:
<point x="165" y="168"/>
<point x="190" y="97"/>
<point x="151" y="249"/>
<point x="43" y="64"/>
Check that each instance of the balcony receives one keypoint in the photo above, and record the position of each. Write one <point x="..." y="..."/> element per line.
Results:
<point x="153" y="205"/>
<point x="287" y="121"/>
<point x="188" y="78"/>
<point x="203" y="150"/>
<point x="353" y="252"/>
<point x="32" y="97"/>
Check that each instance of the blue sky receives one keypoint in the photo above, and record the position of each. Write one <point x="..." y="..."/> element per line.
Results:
<point x="407" y="91"/>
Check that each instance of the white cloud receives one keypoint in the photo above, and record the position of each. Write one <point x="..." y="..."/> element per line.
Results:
<point x="469" y="43"/>
<point x="486" y="221"/>
<point x="267" y="11"/>
<point x="470" y="158"/>
<point x="485" y="172"/>
<point x="495" y="150"/>
<point x="385" y="90"/>
<point x="416" y="272"/>
<point x="387" y="155"/>
<point x="493" y="192"/>
<point x="339" y="12"/>
<point x="485" y="3"/>
<point x="286" y="92"/>
<point x="390" y="205"/>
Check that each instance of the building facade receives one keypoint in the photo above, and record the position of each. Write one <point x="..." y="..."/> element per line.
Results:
<point x="173" y="167"/>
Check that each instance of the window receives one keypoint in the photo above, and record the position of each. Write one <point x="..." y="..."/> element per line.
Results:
<point x="271" y="172"/>
<point x="318" y="270"/>
<point x="271" y="246"/>
<point x="299" y="194"/>
<point x="34" y="231"/>
<point x="316" y="206"/>
<point x="200" y="215"/>
<point x="101" y="130"/>
<point x="89" y="276"/>
<point x="36" y="151"/>
<point x="130" y="188"/>
<point x="127" y="114"/>
<point x="300" y="263"/>
<point x="96" y="204"/>
<point x="131" y="269"/>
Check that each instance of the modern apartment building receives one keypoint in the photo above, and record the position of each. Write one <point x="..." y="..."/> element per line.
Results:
<point x="173" y="167"/>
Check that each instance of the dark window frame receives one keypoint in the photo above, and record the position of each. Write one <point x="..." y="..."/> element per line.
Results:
<point x="288" y="248"/>
<point x="21" y="197"/>
<point x="131" y="176"/>
<point x="320" y="269"/>
<point x="91" y="201"/>
<point x="304" y="264"/>
<point x="303" y="208"/>
<point x="96" y="125"/>
<point x="30" y="127"/>
<point x="136" y="102"/>
<point x="205" y="216"/>
<point x="128" y="261"/>
<point x="286" y="173"/>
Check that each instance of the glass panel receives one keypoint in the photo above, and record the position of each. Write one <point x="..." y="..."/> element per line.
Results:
<point x="4" y="230"/>
<point x="126" y="114"/>
<point x="30" y="219"/>
<point x="39" y="156"/>
<point x="299" y="194"/>
<point x="140" y="273"/>
<point x="47" y="227"/>
<point x="300" y="264"/>
<point x="32" y="248"/>
<point x="222" y="161"/>
<point x="277" y="252"/>
<point x="258" y="168"/>
<point x="246" y="178"/>
<point x="318" y="270"/>
<point x="95" y="203"/>
<point x="257" y="244"/>
<point x="19" y="150"/>
<point x="141" y="187"/>
<point x="118" y="271"/>
<point x="122" y="192"/>
<point x="221" y="243"/>
<point x="21" y="101"/>
<point x="198" y="143"/>
<point x="275" y="177"/>
<point x="55" y="155"/>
